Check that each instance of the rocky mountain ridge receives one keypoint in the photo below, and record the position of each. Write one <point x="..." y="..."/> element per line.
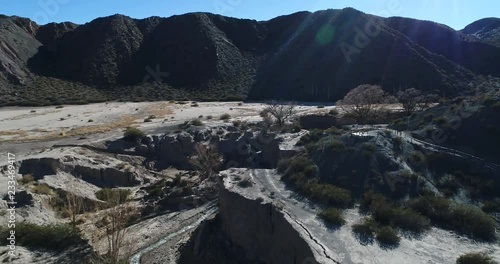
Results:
<point x="302" y="56"/>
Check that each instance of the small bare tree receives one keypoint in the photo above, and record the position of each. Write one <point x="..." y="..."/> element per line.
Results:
<point x="206" y="159"/>
<point x="410" y="99"/>
<point x="118" y="216"/>
<point x="73" y="203"/>
<point x="280" y="111"/>
<point x="361" y="101"/>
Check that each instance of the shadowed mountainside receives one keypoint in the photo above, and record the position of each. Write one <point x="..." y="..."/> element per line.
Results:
<point x="303" y="56"/>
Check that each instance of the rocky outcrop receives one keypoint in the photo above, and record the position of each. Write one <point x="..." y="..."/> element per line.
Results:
<point x="247" y="230"/>
<point x="104" y="176"/>
<point x="239" y="148"/>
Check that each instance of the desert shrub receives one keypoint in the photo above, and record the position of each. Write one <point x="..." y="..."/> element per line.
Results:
<point x="334" y="112"/>
<point x="245" y="182"/>
<point x="294" y="165"/>
<point x="387" y="235"/>
<point x="397" y="141"/>
<point x="448" y="185"/>
<point x="463" y="218"/>
<point x="329" y="143"/>
<point x="408" y="219"/>
<point x="491" y="206"/>
<point x="365" y="228"/>
<point x="196" y="122"/>
<point x="236" y="123"/>
<point x="113" y="195"/>
<point x="436" y="208"/>
<point x="225" y="117"/>
<point x="27" y="178"/>
<point x="475" y="258"/>
<point x="42" y="189"/>
<point x="473" y="221"/>
<point x="53" y="237"/>
<point x="332" y="216"/>
<point x="312" y="136"/>
<point x="327" y="193"/>
<point x="386" y="213"/>
<point x="133" y="134"/>
<point x="334" y="131"/>
<point x="417" y="158"/>
<point x="301" y="172"/>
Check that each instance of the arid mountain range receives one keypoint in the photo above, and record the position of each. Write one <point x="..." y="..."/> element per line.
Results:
<point x="303" y="56"/>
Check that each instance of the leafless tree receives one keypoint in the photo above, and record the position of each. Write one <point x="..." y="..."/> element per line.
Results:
<point x="206" y="159"/>
<point x="73" y="203"/>
<point x="410" y="99"/>
<point x="280" y="111"/>
<point x="118" y="216"/>
<point x="361" y="101"/>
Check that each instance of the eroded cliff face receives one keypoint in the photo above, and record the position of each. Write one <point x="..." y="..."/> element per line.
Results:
<point x="249" y="229"/>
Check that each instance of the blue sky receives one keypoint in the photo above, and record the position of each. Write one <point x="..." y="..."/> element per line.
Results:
<point x="454" y="13"/>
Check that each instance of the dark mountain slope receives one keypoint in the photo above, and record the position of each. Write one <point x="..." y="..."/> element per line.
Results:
<point x="302" y="56"/>
<point x="473" y="54"/>
<point x="486" y="30"/>
<point x="17" y="45"/>
<point x="312" y="64"/>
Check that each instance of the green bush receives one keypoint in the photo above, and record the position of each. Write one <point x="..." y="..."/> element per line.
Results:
<point x="475" y="258"/>
<point x="334" y="112"/>
<point x="196" y="122"/>
<point x="491" y="206"/>
<point x="387" y="235"/>
<point x="245" y="182"/>
<point x="332" y="216"/>
<point x="133" y="134"/>
<point x="386" y="213"/>
<point x="301" y="172"/>
<point x="366" y="227"/>
<point x="408" y="219"/>
<point x="54" y="237"/>
<point x="113" y="195"/>
<point x="417" y="158"/>
<point x="225" y="117"/>
<point x="463" y="218"/>
<point x="329" y="143"/>
<point x="42" y="188"/>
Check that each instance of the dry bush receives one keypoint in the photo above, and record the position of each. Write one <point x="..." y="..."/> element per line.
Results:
<point x="206" y="159"/>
